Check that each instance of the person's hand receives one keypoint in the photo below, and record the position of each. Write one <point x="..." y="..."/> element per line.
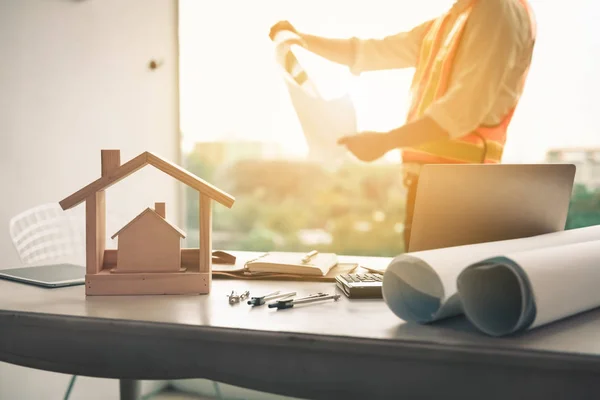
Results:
<point x="367" y="146"/>
<point x="281" y="26"/>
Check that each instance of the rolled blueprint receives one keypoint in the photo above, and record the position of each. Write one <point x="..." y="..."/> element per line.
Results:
<point x="322" y="121"/>
<point x="524" y="290"/>
<point x="422" y="286"/>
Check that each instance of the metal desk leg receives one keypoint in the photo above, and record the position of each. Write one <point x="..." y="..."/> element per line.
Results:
<point x="129" y="389"/>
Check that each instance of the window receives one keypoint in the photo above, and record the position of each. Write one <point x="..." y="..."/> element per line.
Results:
<point x="240" y="131"/>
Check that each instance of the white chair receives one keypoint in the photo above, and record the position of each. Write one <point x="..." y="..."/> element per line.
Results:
<point x="46" y="233"/>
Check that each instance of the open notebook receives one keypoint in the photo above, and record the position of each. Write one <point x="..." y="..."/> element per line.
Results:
<point x="291" y="263"/>
<point x="285" y="266"/>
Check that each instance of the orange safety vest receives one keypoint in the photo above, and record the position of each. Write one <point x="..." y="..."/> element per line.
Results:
<point x="431" y="80"/>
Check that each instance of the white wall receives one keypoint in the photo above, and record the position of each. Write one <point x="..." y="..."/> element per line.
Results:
<point x="73" y="80"/>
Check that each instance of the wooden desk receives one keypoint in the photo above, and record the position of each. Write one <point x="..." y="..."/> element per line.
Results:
<point x="351" y="349"/>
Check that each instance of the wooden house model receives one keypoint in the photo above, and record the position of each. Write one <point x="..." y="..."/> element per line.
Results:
<point x="149" y="258"/>
<point x="149" y="243"/>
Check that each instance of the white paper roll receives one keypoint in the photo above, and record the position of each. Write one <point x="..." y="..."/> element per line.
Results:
<point x="422" y="286"/>
<point x="528" y="289"/>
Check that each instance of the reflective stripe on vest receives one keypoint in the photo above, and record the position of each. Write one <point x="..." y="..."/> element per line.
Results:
<point x="431" y="80"/>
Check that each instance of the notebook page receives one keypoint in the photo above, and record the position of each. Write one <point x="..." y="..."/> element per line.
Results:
<point x="288" y="262"/>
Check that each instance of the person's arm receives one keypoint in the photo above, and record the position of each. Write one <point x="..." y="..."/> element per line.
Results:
<point x="490" y="50"/>
<point x="395" y="51"/>
<point x="400" y="50"/>
<point x="341" y="51"/>
<point x="369" y="146"/>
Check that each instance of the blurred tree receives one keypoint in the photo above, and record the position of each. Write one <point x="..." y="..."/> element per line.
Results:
<point x="584" y="208"/>
<point x="360" y="206"/>
<point x="194" y="163"/>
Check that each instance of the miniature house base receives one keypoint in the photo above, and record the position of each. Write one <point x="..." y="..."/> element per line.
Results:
<point x="192" y="281"/>
<point x="103" y="276"/>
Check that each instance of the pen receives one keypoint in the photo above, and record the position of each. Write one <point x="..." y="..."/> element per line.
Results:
<point x="260" y="300"/>
<point x="289" y="303"/>
<point x="309" y="255"/>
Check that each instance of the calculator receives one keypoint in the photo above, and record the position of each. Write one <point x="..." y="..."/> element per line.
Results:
<point x="360" y="286"/>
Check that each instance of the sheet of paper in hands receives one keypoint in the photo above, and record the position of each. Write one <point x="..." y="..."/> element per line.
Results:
<point x="504" y="286"/>
<point x="322" y="121"/>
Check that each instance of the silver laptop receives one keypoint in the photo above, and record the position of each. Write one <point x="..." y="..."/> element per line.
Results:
<point x="475" y="203"/>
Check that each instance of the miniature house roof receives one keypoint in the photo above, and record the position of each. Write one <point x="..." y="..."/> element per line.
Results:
<point x="153" y="213"/>
<point x="119" y="172"/>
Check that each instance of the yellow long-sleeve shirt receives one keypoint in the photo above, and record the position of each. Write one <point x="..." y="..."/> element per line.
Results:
<point x="495" y="50"/>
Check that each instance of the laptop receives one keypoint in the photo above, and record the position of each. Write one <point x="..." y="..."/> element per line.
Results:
<point x="459" y="204"/>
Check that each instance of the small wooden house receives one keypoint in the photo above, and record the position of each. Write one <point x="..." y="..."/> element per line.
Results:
<point x="149" y="243"/>
<point x="109" y="272"/>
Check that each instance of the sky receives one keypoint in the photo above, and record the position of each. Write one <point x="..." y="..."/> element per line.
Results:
<point x="231" y="88"/>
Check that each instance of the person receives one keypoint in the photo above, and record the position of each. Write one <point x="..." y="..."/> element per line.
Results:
<point x="470" y="64"/>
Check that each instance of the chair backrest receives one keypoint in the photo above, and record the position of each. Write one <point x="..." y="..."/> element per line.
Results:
<point x="46" y="233"/>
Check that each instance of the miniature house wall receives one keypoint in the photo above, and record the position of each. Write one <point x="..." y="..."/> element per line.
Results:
<point x="168" y="269"/>
<point x="149" y="243"/>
